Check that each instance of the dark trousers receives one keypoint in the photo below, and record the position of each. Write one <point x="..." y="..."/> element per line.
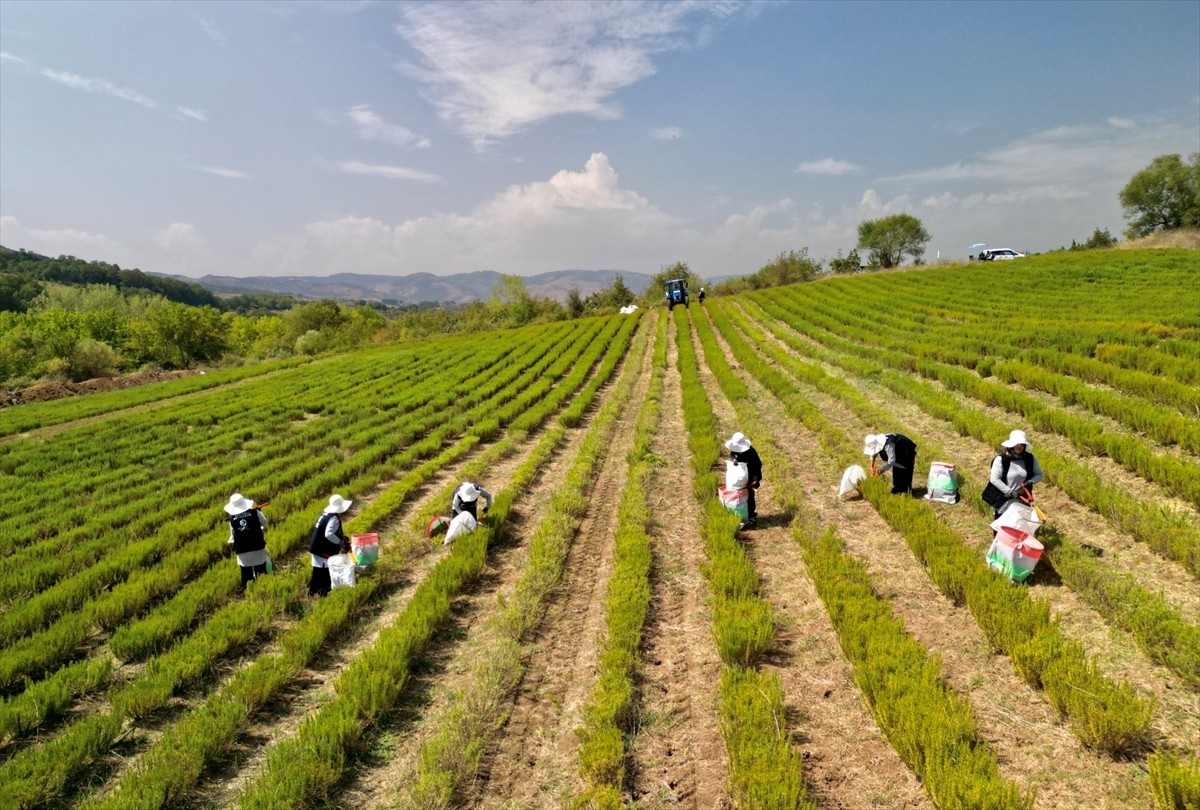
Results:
<point x="902" y="479"/>
<point x="251" y="573"/>
<point x="319" y="583"/>
<point x="751" y="509"/>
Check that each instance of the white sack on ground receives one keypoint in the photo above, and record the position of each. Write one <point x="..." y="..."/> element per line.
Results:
<point x="851" y="478"/>
<point x="1020" y="517"/>
<point x="737" y="475"/>
<point x="342" y="571"/>
<point x="463" y="524"/>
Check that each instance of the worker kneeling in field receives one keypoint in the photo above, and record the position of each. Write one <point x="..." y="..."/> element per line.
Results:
<point x="247" y="524"/>
<point x="1013" y="474"/>
<point x="897" y="453"/>
<point x="743" y="453"/>
<point x="466" y="499"/>
<point x="327" y="540"/>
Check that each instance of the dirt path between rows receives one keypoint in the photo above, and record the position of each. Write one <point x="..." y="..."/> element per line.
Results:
<point x="847" y="761"/>
<point x="678" y="753"/>
<point x="1033" y="745"/>
<point x="533" y="762"/>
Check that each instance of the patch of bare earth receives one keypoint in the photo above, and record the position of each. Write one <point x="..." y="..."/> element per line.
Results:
<point x="847" y="761"/>
<point x="678" y="753"/>
<point x="1032" y="744"/>
<point x="449" y="667"/>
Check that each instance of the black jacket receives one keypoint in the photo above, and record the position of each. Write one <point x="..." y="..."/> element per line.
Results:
<point x="753" y="464"/>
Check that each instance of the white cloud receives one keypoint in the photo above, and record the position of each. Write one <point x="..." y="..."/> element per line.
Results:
<point x="178" y="236"/>
<point x="493" y="69"/>
<point x="8" y="57"/>
<point x="828" y="166"/>
<point x="211" y="30"/>
<point x="389" y="172"/>
<point x="101" y="86"/>
<point x="188" y="112"/>
<point x="58" y="242"/>
<point x="372" y="127"/>
<point x="666" y="133"/>
<point x="1122" y="123"/>
<point x="232" y="174"/>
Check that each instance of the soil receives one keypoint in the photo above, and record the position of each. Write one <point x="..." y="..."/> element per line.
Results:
<point x="61" y="389"/>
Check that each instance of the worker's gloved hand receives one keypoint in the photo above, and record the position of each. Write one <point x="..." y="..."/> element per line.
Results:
<point x="756" y="484"/>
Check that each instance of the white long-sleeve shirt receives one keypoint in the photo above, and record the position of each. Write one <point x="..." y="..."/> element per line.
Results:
<point x="456" y="505"/>
<point x="1021" y="470"/>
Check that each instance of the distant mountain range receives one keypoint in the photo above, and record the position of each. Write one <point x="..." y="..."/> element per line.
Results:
<point x="414" y="288"/>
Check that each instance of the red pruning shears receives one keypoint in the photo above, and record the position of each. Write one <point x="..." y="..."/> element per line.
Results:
<point x="1026" y="496"/>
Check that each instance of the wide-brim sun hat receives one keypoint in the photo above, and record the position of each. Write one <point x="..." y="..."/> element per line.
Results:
<point x="1015" y="438"/>
<point x="337" y="505"/>
<point x="873" y="444"/>
<point x="468" y="492"/>
<point x="738" y="443"/>
<point x="238" y="504"/>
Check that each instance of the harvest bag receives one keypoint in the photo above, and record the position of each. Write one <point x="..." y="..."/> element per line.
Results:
<point x="366" y="548"/>
<point x="737" y="475"/>
<point x="342" y="571"/>
<point x="463" y="524"/>
<point x="1014" y="554"/>
<point x="1020" y="517"/>
<point x="735" y="500"/>
<point x="943" y="483"/>
<point x="851" y="478"/>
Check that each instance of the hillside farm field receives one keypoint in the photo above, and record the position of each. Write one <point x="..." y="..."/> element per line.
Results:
<point x="608" y="637"/>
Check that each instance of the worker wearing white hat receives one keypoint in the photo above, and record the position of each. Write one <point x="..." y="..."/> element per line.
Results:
<point x="898" y="454"/>
<point x="327" y="540"/>
<point x="466" y="499"/>
<point x="246" y="527"/>
<point x="1013" y="474"/>
<point x="743" y="453"/>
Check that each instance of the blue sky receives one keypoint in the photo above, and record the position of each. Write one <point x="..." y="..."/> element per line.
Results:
<point x="307" y="138"/>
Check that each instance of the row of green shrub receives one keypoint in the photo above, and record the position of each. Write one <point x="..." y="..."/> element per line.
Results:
<point x="764" y="769"/>
<point x="611" y="710"/>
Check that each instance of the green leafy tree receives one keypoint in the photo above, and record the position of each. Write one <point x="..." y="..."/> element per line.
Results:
<point x="1099" y="239"/>
<point x="575" y="304"/>
<point x="17" y="292"/>
<point x="789" y="267"/>
<point x="178" y="335"/>
<point x="654" y="293"/>
<point x="850" y="263"/>
<point x="93" y="358"/>
<point x="1163" y="196"/>
<point x="890" y="239"/>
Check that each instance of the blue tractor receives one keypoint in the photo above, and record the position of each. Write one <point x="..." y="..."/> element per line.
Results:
<point x="677" y="292"/>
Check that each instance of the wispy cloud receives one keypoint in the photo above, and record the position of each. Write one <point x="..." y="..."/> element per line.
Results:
<point x="1122" y="123"/>
<point x="188" y="112"/>
<point x="232" y="174"/>
<point x="211" y="30"/>
<point x="666" y="133"/>
<point x="493" y="69"/>
<point x="8" y="57"/>
<point x="372" y="127"/>
<point x="828" y="166"/>
<point x="102" y="86"/>
<point x="59" y="241"/>
<point x="389" y="172"/>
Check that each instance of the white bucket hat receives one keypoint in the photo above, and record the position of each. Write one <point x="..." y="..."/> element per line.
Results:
<point x="238" y="504"/>
<point x="738" y="443"/>
<point x="468" y="492"/>
<point x="1015" y="438"/>
<point x="873" y="444"/>
<point x="337" y="505"/>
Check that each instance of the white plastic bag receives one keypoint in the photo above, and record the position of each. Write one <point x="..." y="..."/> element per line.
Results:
<point x="342" y="571"/>
<point x="735" y="500"/>
<point x="851" y="478"/>
<point x="737" y="475"/>
<point x="1020" y="517"/>
<point x="463" y="524"/>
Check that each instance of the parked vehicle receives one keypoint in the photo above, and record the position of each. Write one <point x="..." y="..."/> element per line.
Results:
<point x="999" y="254"/>
<point x="677" y="292"/>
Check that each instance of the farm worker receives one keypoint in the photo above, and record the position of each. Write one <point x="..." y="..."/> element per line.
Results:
<point x="1013" y="474"/>
<point x="701" y="295"/>
<point x="898" y="454"/>
<point x="327" y="540"/>
<point x="466" y="499"/>
<point x="246" y="527"/>
<point x="741" y="451"/>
